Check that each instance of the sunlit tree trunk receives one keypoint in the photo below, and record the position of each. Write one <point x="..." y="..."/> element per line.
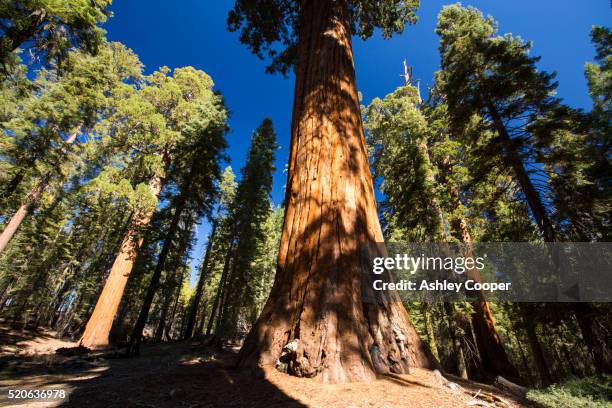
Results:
<point x="22" y="211"/>
<point x="321" y="290"/>
<point x="29" y="201"/>
<point x="101" y="320"/>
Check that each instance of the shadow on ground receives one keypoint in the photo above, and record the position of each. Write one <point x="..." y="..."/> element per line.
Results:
<point x="182" y="374"/>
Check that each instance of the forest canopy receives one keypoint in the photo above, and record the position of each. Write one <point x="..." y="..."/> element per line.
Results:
<point x="135" y="221"/>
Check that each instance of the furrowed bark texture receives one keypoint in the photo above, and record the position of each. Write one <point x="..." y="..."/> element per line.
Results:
<point x="99" y="325"/>
<point x="346" y="332"/>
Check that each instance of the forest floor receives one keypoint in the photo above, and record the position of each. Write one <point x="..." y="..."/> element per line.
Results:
<point x="189" y="374"/>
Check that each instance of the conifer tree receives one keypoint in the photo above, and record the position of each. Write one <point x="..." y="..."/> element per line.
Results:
<point x="227" y="192"/>
<point x="494" y="77"/>
<point x="196" y="171"/>
<point x="152" y="122"/>
<point x="249" y="210"/>
<point x="44" y="144"/>
<point x="417" y="160"/>
<point x="50" y="27"/>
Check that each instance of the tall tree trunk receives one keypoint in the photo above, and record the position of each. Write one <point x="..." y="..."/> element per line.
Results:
<point x="161" y="325"/>
<point x="136" y="337"/>
<point x="598" y="348"/>
<point x="534" y="345"/>
<point x="30" y="199"/>
<point x="22" y="211"/>
<point x="168" y="330"/>
<point x="582" y="311"/>
<point x="330" y="228"/>
<point x="461" y="366"/>
<point x="512" y="157"/>
<point x="193" y="310"/>
<point x="101" y="320"/>
<point x="522" y="353"/>
<point x="222" y="280"/>
<point x="493" y="356"/>
<point x="431" y="337"/>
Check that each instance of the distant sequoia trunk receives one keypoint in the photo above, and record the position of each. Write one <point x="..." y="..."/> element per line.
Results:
<point x="318" y="300"/>
<point x="30" y="200"/>
<point x="99" y="325"/>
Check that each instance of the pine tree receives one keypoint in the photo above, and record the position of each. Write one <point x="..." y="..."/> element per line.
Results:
<point x="196" y="174"/>
<point x="249" y="210"/>
<point x="227" y="193"/>
<point x="494" y="77"/>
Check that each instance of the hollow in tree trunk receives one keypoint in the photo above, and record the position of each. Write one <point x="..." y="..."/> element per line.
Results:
<point x="319" y="295"/>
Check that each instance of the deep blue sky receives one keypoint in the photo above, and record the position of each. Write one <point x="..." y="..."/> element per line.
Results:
<point x="193" y="32"/>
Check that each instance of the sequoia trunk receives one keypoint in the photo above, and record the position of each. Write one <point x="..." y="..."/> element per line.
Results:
<point x="22" y="211"/>
<point x="30" y="199"/>
<point x="99" y="325"/>
<point x="492" y="353"/>
<point x="321" y="295"/>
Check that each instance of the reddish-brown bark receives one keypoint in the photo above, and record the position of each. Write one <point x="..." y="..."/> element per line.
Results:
<point x="493" y="356"/>
<point x="99" y="325"/>
<point x="29" y="201"/>
<point x="319" y="294"/>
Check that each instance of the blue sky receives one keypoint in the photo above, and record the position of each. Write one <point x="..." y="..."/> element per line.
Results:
<point x="193" y="32"/>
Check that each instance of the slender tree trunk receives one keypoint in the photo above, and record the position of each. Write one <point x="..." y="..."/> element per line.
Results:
<point x="101" y="320"/>
<point x="431" y="338"/>
<point x="22" y="211"/>
<point x="203" y="275"/>
<point x="29" y="201"/>
<point x="534" y="345"/>
<point x="512" y="157"/>
<point x="582" y="311"/>
<point x="599" y="350"/>
<point x="222" y="280"/>
<point x="159" y="331"/>
<point x="461" y="365"/>
<point x="176" y="302"/>
<point x="522" y="353"/>
<point x="136" y="337"/>
<point x="320" y="295"/>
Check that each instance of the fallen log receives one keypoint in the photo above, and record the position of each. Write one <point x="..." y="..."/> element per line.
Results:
<point x="510" y="387"/>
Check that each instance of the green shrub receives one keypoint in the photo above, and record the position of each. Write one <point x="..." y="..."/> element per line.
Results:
<point x="590" y="392"/>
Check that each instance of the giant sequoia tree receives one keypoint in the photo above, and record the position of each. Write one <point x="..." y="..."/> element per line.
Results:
<point x="149" y="127"/>
<point x="330" y="225"/>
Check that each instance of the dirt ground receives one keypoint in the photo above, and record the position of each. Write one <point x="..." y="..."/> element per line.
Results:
<point x="188" y="374"/>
